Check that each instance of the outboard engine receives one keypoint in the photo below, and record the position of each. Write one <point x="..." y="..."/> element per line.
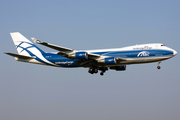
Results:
<point x="119" y="68"/>
<point x="79" y="55"/>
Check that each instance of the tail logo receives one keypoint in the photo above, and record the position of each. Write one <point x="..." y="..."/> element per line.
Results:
<point x="33" y="51"/>
<point x="24" y="47"/>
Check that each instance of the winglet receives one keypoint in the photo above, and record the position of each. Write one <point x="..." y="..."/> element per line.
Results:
<point x="36" y="40"/>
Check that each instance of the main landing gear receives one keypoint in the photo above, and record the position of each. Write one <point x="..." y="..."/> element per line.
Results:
<point x="95" y="70"/>
<point x="92" y="70"/>
<point x="159" y="67"/>
<point x="102" y="72"/>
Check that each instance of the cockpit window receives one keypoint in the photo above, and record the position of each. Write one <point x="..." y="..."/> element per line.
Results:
<point x="162" y="45"/>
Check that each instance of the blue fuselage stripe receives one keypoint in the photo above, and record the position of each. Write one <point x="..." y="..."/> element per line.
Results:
<point x="66" y="62"/>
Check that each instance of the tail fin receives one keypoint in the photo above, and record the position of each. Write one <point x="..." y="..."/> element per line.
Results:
<point x="28" y="52"/>
<point x="24" y="46"/>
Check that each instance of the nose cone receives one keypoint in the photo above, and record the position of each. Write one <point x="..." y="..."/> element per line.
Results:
<point x="174" y="52"/>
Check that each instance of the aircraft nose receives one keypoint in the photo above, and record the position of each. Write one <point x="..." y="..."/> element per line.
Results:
<point x="174" y="52"/>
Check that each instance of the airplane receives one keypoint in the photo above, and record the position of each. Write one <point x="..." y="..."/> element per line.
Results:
<point x="95" y="60"/>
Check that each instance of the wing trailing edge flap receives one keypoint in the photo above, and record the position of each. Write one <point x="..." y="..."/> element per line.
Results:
<point x="20" y="56"/>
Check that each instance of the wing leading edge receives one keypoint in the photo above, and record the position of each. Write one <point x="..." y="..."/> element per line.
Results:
<point x="64" y="52"/>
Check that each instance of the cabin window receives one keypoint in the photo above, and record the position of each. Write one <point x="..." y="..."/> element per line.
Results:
<point x="162" y="45"/>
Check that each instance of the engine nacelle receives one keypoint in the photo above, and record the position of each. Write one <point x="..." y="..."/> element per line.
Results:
<point x="81" y="55"/>
<point x="110" y="61"/>
<point x="119" y="68"/>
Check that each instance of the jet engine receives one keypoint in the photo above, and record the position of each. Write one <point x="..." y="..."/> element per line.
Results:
<point x="79" y="55"/>
<point x="110" y="61"/>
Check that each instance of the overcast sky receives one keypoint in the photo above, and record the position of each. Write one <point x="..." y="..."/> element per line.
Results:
<point x="36" y="92"/>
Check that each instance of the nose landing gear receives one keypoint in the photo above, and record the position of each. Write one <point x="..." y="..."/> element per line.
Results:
<point x="159" y="67"/>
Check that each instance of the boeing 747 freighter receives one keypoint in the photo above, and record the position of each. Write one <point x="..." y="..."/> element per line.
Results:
<point x="95" y="60"/>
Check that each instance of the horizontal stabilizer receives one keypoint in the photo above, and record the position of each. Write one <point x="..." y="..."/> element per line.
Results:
<point x="20" y="56"/>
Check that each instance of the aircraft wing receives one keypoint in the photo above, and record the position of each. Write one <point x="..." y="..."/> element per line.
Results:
<point x="92" y="60"/>
<point x="64" y="52"/>
<point x="59" y="48"/>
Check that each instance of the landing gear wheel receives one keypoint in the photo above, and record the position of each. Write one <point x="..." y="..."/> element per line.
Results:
<point x="91" y="71"/>
<point x="158" y="67"/>
<point x="95" y="70"/>
<point x="102" y="73"/>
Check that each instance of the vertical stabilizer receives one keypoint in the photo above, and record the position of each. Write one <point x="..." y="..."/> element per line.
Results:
<point x="28" y="51"/>
<point x="24" y="46"/>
